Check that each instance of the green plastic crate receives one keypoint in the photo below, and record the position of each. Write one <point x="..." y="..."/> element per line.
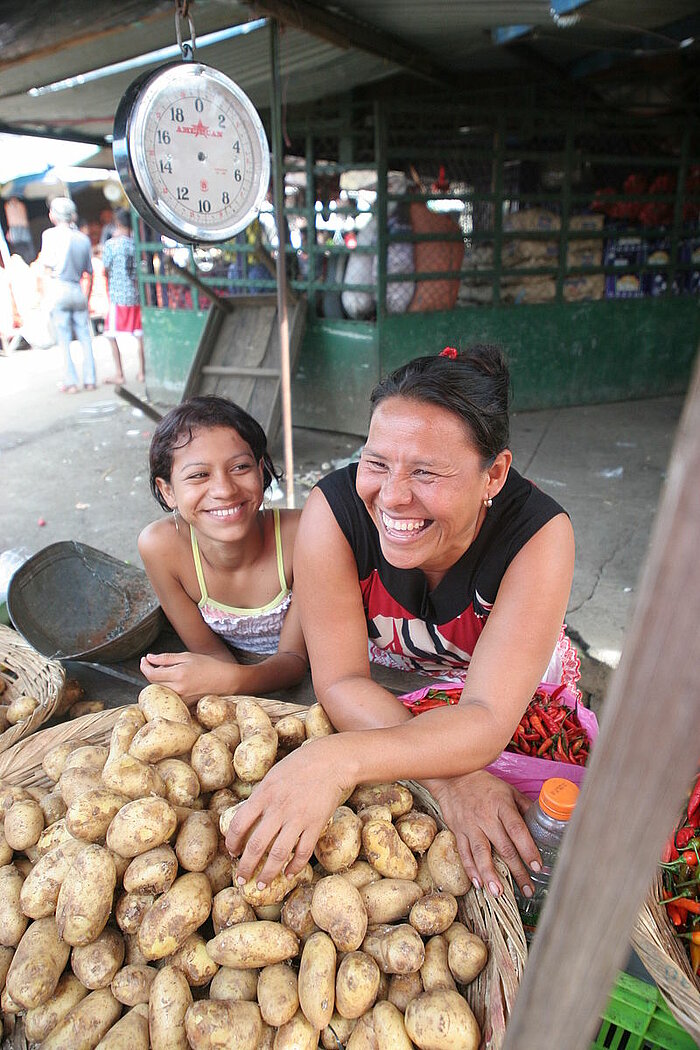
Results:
<point x="637" y="1018"/>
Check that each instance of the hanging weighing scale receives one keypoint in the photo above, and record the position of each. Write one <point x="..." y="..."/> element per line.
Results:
<point x="191" y="151"/>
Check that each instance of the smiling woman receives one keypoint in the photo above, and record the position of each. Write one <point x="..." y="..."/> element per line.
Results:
<point x="437" y="557"/>
<point x="221" y="565"/>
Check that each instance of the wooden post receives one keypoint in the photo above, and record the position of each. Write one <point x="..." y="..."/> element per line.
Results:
<point x="280" y="220"/>
<point x="640" y="770"/>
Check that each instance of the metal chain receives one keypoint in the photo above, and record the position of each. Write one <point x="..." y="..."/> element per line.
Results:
<point x="182" y="11"/>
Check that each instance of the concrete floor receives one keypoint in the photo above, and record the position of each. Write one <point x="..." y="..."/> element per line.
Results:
<point x="75" y="467"/>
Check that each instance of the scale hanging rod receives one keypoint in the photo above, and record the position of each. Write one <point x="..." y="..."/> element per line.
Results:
<point x="182" y="12"/>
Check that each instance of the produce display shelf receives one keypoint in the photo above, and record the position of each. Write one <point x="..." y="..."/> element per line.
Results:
<point x="637" y="1018"/>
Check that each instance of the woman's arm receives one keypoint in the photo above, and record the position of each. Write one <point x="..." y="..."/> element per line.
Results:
<point x="443" y="743"/>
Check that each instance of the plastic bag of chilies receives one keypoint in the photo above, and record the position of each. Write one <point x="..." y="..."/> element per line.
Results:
<point x="524" y="772"/>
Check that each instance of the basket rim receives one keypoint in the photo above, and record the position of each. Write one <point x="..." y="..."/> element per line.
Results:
<point x="37" y="676"/>
<point x="657" y="946"/>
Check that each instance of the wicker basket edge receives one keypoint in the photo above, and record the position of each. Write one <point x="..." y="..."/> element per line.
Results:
<point x="657" y="946"/>
<point x="31" y="674"/>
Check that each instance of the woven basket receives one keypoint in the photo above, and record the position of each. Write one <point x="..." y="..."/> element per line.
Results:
<point x="27" y="673"/>
<point x="495" y="919"/>
<point x="663" y="955"/>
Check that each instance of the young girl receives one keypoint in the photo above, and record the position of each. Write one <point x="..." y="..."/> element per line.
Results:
<point x="221" y="564"/>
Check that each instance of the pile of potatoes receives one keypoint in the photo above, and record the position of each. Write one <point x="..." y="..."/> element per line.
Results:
<point x="122" y="925"/>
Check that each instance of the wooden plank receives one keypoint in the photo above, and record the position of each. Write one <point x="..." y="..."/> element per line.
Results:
<point x="224" y="370"/>
<point x="640" y="771"/>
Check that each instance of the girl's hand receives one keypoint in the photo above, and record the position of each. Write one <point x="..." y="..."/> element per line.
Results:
<point x="289" y="809"/>
<point x="189" y="674"/>
<point x="485" y="812"/>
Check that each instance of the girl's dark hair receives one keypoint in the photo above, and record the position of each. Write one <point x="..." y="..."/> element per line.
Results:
<point x="176" y="429"/>
<point x="474" y="383"/>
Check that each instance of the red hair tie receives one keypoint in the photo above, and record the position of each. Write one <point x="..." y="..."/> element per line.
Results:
<point x="450" y="352"/>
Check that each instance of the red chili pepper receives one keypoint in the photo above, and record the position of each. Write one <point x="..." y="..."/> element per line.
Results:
<point x="557" y="692"/>
<point x="686" y="904"/>
<point x="673" y="912"/>
<point x="537" y="725"/>
<point x="690" y="857"/>
<point x="545" y="746"/>
<point x="693" y="937"/>
<point x="683" y="837"/>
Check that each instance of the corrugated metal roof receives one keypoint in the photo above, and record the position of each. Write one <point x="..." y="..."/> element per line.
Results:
<point x="45" y="42"/>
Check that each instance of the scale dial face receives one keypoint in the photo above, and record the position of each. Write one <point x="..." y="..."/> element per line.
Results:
<point x="191" y="153"/>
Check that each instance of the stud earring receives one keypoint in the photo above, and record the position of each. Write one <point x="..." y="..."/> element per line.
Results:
<point x="176" y="519"/>
<point x="488" y="502"/>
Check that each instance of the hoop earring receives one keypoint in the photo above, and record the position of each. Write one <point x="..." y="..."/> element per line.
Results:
<point x="176" y="519"/>
<point x="488" y="502"/>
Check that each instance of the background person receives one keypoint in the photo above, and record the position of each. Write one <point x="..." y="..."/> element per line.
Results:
<point x="124" y="316"/>
<point x="444" y="559"/>
<point x="65" y="255"/>
<point x="221" y="564"/>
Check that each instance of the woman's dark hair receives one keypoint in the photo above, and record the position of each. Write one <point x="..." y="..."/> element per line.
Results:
<point x="474" y="383"/>
<point x="176" y="429"/>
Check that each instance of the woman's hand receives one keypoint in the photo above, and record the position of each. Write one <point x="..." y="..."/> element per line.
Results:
<point x="189" y="674"/>
<point x="289" y="809"/>
<point x="485" y="812"/>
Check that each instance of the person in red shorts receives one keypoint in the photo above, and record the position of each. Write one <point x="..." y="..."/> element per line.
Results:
<point x="124" y="310"/>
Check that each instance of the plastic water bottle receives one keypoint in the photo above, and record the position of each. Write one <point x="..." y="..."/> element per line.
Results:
<point x="547" y="820"/>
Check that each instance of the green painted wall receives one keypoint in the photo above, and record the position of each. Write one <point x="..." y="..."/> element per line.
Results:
<point x="567" y="354"/>
<point x="170" y="339"/>
<point x="338" y="366"/>
<point x="561" y="354"/>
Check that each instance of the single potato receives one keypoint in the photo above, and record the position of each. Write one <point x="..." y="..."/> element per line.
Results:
<point x="277" y="993"/>
<point x="210" y="1024"/>
<point x="96" y="964"/>
<point x="337" y="908"/>
<point x="169" y="1001"/>
<point x="85" y="897"/>
<point x="37" y="964"/>
<point x="442" y="1020"/>
<point x="250" y="945"/>
<point x="173" y="917"/>
<point x="446" y="866"/>
<point x="140" y="826"/>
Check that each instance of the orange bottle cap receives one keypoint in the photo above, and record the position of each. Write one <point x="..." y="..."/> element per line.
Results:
<point x="558" y="798"/>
